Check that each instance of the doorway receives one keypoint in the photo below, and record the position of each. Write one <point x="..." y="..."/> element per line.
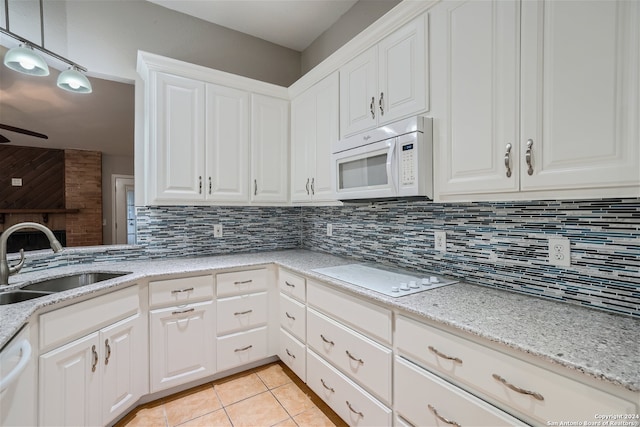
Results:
<point x="124" y="215"/>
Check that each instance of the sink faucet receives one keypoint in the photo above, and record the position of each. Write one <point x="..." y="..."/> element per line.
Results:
<point x="5" y="270"/>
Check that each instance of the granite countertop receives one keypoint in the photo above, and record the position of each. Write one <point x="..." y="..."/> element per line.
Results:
<point x="593" y="342"/>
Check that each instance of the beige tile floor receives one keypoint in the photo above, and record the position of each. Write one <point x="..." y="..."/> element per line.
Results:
<point x="270" y="395"/>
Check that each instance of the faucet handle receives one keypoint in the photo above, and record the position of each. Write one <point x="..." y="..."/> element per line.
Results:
<point x="15" y="269"/>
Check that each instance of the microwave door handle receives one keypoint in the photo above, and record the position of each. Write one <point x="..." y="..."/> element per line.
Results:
<point x="390" y="168"/>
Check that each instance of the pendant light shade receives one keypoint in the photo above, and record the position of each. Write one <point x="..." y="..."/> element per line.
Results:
<point x="73" y="80"/>
<point x="25" y="60"/>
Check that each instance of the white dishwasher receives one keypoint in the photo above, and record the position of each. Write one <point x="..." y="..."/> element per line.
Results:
<point x="18" y="381"/>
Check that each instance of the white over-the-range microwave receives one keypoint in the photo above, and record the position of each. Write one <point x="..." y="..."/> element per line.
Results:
<point x="388" y="162"/>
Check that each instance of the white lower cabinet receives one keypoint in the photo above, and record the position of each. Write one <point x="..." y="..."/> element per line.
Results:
<point x="293" y="353"/>
<point x="241" y="348"/>
<point x="181" y="344"/>
<point x="353" y="404"/>
<point x="424" y="399"/>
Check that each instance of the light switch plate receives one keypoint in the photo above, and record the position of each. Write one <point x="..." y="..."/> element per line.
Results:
<point x="440" y="238"/>
<point x="217" y="230"/>
<point x="329" y="230"/>
<point x="16" y="182"/>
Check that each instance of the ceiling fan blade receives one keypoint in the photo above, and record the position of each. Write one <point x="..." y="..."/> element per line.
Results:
<point x="23" y="131"/>
<point x="3" y="139"/>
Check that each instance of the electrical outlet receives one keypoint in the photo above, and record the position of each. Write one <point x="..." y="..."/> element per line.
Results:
<point x="560" y="252"/>
<point x="217" y="230"/>
<point x="329" y="230"/>
<point x="440" y="240"/>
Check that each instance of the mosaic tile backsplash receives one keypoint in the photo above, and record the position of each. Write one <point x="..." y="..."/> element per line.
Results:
<point x="498" y="244"/>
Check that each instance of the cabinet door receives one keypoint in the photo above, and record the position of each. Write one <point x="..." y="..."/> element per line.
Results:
<point x="358" y="93"/>
<point x="179" y="138"/>
<point x="227" y="148"/>
<point x="402" y="72"/>
<point x="303" y="141"/>
<point x="327" y="118"/>
<point x="123" y="363"/>
<point x="70" y="384"/>
<point x="181" y="344"/>
<point x="475" y="103"/>
<point x="269" y="149"/>
<point x="580" y="94"/>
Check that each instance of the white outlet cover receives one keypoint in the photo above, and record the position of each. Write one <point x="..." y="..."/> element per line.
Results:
<point x="329" y="229"/>
<point x="559" y="251"/>
<point x="217" y="230"/>
<point x="440" y="238"/>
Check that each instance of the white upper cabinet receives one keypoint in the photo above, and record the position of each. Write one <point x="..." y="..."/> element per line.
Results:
<point x="552" y="113"/>
<point x="227" y="144"/>
<point x="269" y="149"/>
<point x="386" y="82"/>
<point x="314" y="128"/>
<point x="177" y="154"/>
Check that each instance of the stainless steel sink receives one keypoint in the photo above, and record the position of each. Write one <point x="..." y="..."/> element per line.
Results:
<point x="65" y="283"/>
<point x="12" y="297"/>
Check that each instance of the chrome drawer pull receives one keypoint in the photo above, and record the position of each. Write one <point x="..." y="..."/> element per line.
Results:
<point x="326" y="340"/>
<point x="353" y="410"/>
<point x="441" y="418"/>
<point x="210" y="185"/>
<point x="507" y="160"/>
<point x="289" y="316"/>
<point x="199" y="185"/>
<point x="313" y="186"/>
<point x="244" y="282"/>
<point x="533" y="394"/>
<point x="188" y="310"/>
<point x="108" y="350"/>
<point x="527" y="156"/>
<point x="242" y="349"/>
<point x="326" y="386"/>
<point x="372" y="108"/>
<point x="307" y="186"/>
<point x="380" y="103"/>
<point x="95" y="358"/>
<point x="444" y="356"/>
<point x="289" y="284"/>
<point x="360" y="361"/>
<point x="240" y="313"/>
<point x="290" y="355"/>
<point x="177" y="291"/>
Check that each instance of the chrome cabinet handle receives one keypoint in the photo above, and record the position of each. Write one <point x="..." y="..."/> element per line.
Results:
<point x="326" y="340"/>
<point x="255" y="187"/>
<point x="371" y="107"/>
<point x="243" y="282"/>
<point x="188" y="310"/>
<point x="199" y="185"/>
<point x="326" y="386"/>
<point x="210" y="185"/>
<point x="177" y="291"/>
<point x="441" y="418"/>
<point x="353" y="410"/>
<point x="108" y="350"/>
<point x="507" y="160"/>
<point x="95" y="358"/>
<point x="533" y="394"/>
<point x="527" y="156"/>
<point x="289" y="284"/>
<point x="242" y="349"/>
<point x="313" y="185"/>
<point x="380" y="103"/>
<point x="241" y="313"/>
<point x="444" y="356"/>
<point x="290" y="355"/>
<point x="307" y="186"/>
<point x="352" y="357"/>
<point x="289" y="316"/>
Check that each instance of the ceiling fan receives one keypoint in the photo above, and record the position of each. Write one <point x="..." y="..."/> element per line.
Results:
<point x="4" y="139"/>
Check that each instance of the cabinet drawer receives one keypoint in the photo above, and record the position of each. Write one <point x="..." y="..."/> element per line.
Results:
<point x="368" y="318"/>
<point x="363" y="360"/>
<point x="349" y="401"/>
<point x="292" y="284"/>
<point x="422" y="397"/>
<point x="60" y="326"/>
<point x="293" y="317"/>
<point x="184" y="290"/>
<point x="241" y="348"/>
<point x="241" y="282"/>
<point x="241" y="312"/>
<point x="293" y="353"/>
<point x="542" y="395"/>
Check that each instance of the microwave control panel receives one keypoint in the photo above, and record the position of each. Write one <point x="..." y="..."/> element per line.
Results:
<point x="408" y="164"/>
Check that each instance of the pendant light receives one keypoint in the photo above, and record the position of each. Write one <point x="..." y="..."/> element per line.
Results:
<point x="24" y="59"/>
<point x="73" y="80"/>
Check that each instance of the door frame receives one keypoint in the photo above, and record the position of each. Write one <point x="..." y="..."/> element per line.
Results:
<point x="114" y="204"/>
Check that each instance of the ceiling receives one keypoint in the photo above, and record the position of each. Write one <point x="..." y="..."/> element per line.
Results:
<point x="290" y="23"/>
